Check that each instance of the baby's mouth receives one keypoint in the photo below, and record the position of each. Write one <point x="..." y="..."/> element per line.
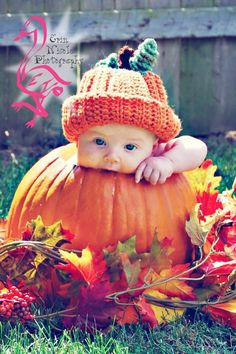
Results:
<point x="111" y="167"/>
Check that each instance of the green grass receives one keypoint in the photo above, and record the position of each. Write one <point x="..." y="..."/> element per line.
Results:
<point x="184" y="336"/>
<point x="11" y="171"/>
<point x="194" y="333"/>
<point x="223" y="154"/>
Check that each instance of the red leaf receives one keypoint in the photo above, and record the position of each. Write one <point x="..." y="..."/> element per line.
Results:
<point x="68" y="235"/>
<point x="218" y="264"/>
<point x="209" y="203"/>
<point x="129" y="315"/>
<point x="228" y="233"/>
<point x="27" y="234"/>
<point x="146" y="312"/>
<point x="223" y="313"/>
<point x="93" y="308"/>
<point x="206" y="164"/>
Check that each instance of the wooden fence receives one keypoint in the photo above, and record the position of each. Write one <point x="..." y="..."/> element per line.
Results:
<point x="197" y="61"/>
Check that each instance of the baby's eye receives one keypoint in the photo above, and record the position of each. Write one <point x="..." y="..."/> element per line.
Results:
<point x="99" y="141"/>
<point x="130" y="147"/>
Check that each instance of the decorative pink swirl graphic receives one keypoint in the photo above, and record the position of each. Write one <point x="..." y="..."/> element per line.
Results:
<point x="37" y="81"/>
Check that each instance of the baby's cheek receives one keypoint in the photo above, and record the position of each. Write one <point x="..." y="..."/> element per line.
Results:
<point x="130" y="164"/>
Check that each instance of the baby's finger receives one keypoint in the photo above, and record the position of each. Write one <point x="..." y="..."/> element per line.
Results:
<point x="147" y="172"/>
<point x="139" y="172"/>
<point x="163" y="177"/>
<point x="162" y="180"/>
<point x="154" y="177"/>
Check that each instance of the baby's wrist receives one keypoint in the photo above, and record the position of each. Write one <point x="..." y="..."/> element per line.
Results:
<point x="169" y="161"/>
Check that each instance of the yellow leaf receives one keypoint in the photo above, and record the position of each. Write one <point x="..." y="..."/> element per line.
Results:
<point x="163" y="314"/>
<point x="72" y="257"/>
<point x="30" y="274"/>
<point x="203" y="179"/>
<point x="4" y="291"/>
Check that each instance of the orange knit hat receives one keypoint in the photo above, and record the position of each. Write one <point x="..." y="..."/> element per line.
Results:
<point x="110" y="94"/>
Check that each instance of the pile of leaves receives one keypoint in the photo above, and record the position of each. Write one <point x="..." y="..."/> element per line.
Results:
<point x="118" y="285"/>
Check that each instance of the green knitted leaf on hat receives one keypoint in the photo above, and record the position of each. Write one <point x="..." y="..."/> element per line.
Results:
<point x="111" y="61"/>
<point x="145" y="56"/>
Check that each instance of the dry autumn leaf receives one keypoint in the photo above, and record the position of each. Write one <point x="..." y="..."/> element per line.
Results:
<point x="163" y="314"/>
<point x="82" y="268"/>
<point x="198" y="230"/>
<point x="224" y="313"/>
<point x="172" y="287"/>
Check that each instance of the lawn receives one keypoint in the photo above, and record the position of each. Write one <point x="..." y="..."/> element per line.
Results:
<point x="194" y="333"/>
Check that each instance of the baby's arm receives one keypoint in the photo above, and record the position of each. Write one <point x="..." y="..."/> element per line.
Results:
<point x="178" y="155"/>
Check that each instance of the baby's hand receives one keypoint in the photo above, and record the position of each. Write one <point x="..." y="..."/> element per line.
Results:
<point x="154" y="169"/>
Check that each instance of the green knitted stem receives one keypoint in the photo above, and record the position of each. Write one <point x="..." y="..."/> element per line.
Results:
<point x="142" y="61"/>
<point x="111" y="61"/>
<point x="145" y="56"/>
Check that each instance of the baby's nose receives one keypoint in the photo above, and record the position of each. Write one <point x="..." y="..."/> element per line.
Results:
<point x="112" y="156"/>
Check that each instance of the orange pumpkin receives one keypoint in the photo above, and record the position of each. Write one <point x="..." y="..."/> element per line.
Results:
<point x="101" y="207"/>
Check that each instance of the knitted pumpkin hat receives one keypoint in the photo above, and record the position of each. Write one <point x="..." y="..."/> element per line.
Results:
<point x="122" y="89"/>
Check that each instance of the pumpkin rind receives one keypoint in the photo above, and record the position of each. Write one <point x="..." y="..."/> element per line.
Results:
<point x="102" y="207"/>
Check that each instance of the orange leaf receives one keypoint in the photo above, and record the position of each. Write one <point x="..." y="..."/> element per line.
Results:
<point x="129" y="315"/>
<point x="173" y="288"/>
<point x="2" y="228"/>
<point x="223" y="313"/>
<point x="83" y="268"/>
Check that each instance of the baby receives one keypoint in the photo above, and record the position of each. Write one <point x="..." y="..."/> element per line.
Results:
<point x="121" y="121"/>
<point x="128" y="149"/>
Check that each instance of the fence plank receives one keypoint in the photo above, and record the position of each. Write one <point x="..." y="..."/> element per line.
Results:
<point x="108" y="4"/>
<point x="168" y="67"/>
<point x="25" y="6"/>
<point x="197" y="85"/>
<point x="4" y="94"/>
<point x="139" y="24"/>
<point x="225" y="2"/>
<point x="132" y="4"/>
<point x="15" y="120"/>
<point x="53" y="6"/>
<point x="3" y="7"/>
<point x="224" y="85"/>
<point x="161" y="4"/>
<point x="90" y="5"/>
<point x="197" y="3"/>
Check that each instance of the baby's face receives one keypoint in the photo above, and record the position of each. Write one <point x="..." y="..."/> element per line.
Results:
<point x="115" y="147"/>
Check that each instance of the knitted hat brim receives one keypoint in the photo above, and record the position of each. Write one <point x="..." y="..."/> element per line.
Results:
<point x="84" y="111"/>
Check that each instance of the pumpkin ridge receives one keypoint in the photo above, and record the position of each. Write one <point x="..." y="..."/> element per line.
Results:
<point x="35" y="192"/>
<point x="21" y="193"/>
<point x="62" y="176"/>
<point x="113" y="209"/>
<point x="145" y="225"/>
<point x="77" y="204"/>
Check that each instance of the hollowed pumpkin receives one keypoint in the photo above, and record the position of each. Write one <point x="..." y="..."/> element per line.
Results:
<point x="101" y="207"/>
